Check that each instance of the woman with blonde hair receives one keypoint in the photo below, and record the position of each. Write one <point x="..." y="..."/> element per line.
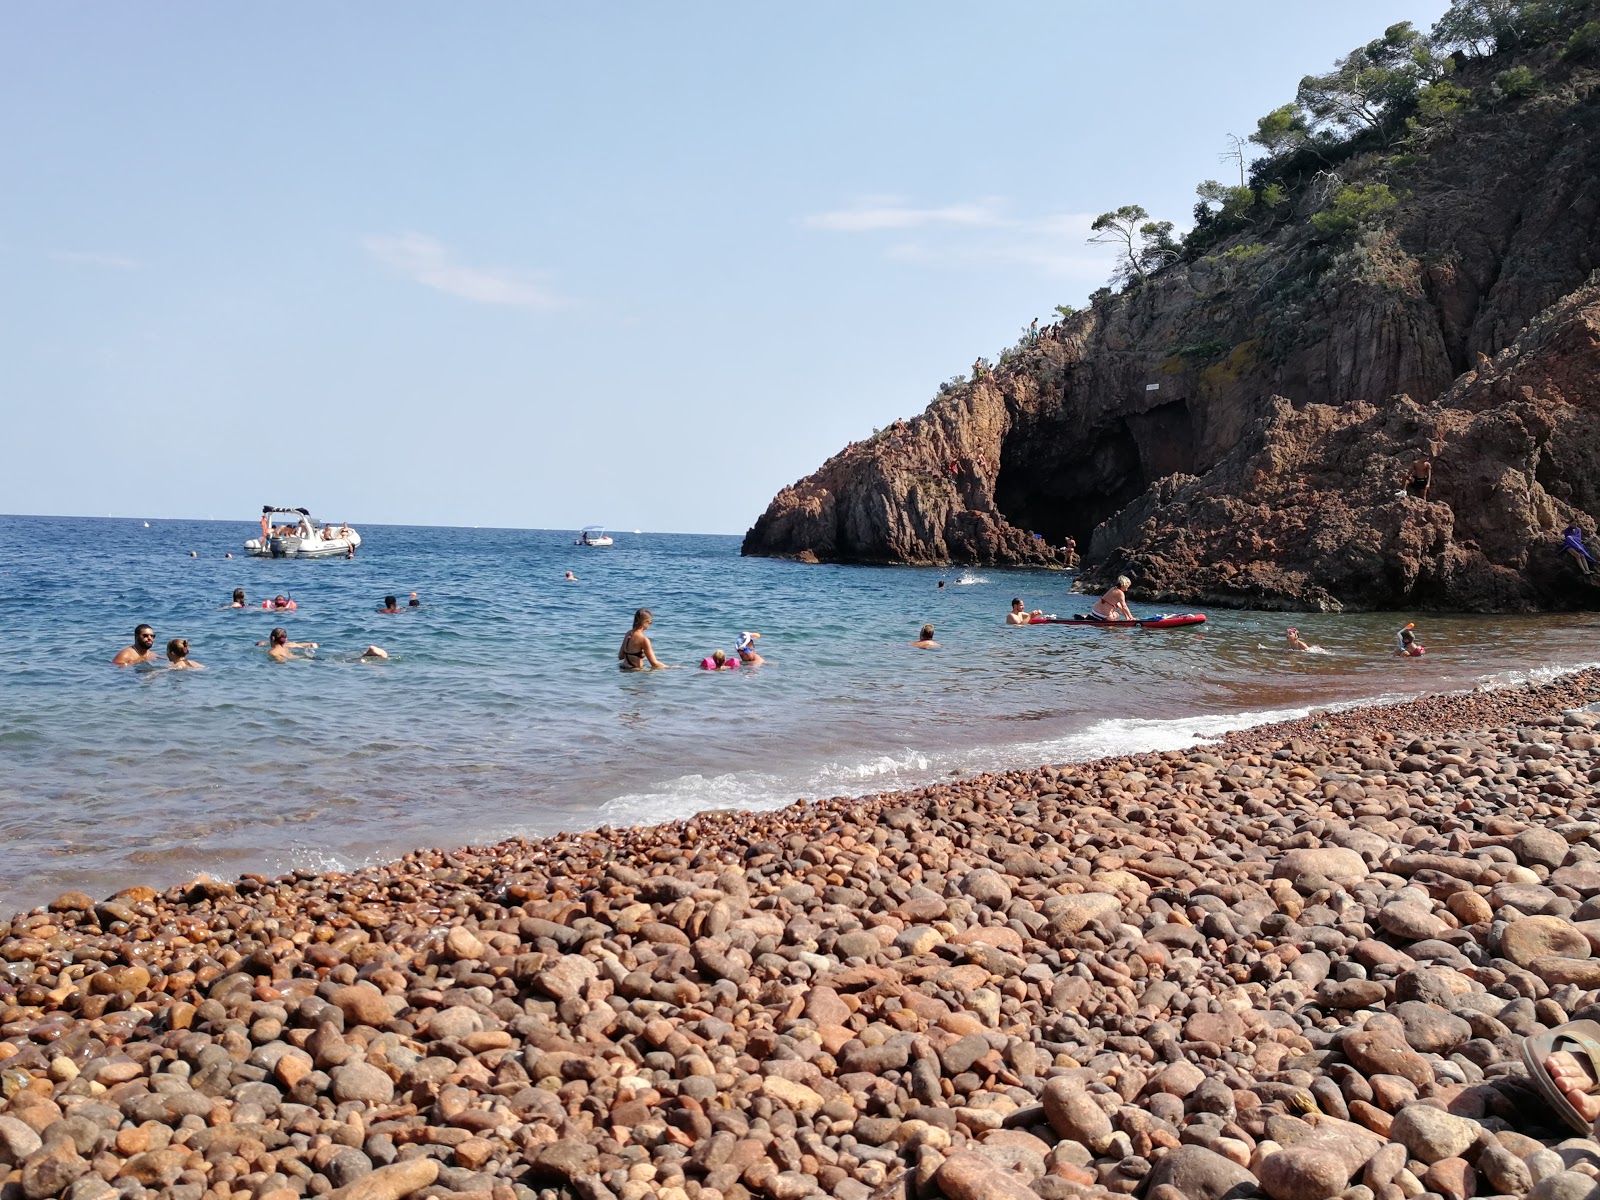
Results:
<point x="1113" y="606"/>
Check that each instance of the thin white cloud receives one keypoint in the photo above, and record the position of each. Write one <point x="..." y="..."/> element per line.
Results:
<point x="872" y="213"/>
<point x="110" y="262"/>
<point x="428" y="262"/>
<point x="976" y="233"/>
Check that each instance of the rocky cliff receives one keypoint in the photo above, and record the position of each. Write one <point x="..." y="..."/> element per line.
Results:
<point x="1096" y="429"/>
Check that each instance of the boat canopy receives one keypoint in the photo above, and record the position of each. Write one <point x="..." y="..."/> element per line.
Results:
<point x="268" y="509"/>
<point x="593" y="529"/>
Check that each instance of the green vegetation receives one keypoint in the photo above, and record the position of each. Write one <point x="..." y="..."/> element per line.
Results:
<point x="1205" y="349"/>
<point x="1515" y="84"/>
<point x="1398" y="88"/>
<point x="1354" y="206"/>
<point x="1584" y="44"/>
<point x="1064" y="311"/>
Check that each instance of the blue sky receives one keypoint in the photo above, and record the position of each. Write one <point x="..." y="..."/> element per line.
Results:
<point x="540" y="265"/>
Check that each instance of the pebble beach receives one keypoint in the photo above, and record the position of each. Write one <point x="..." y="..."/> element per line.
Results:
<point x="1298" y="962"/>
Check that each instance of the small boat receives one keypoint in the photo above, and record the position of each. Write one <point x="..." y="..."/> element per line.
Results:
<point x="593" y="535"/>
<point x="1165" y="621"/>
<point x="299" y="536"/>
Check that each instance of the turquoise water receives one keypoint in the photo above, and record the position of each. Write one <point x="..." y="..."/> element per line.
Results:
<point x="501" y="710"/>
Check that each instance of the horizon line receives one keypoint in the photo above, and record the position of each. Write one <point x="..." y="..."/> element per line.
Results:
<point x="379" y="524"/>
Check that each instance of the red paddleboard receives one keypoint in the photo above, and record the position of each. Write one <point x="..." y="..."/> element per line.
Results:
<point x="1170" y="621"/>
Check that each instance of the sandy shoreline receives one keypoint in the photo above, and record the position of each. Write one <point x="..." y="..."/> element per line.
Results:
<point x="1300" y="956"/>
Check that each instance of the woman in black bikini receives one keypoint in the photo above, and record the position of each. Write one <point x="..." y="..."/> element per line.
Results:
<point x="636" y="650"/>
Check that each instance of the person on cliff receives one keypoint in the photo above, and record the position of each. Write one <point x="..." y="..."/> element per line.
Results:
<point x="1113" y="606"/>
<point x="1572" y="545"/>
<point x="1021" y="616"/>
<point x="1069" y="550"/>
<point x="1421" y="476"/>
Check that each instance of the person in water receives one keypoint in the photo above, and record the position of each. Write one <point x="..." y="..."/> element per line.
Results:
<point x="745" y="648"/>
<point x="1572" y="545"/>
<point x="178" y="656"/>
<point x="569" y="577"/>
<point x="925" y="639"/>
<point x="1294" y="640"/>
<point x="1406" y="643"/>
<point x="1113" y="606"/>
<point x="143" y="649"/>
<point x="636" y="652"/>
<point x="390" y="605"/>
<point x="281" y="649"/>
<point x="238" y="599"/>
<point x="373" y="652"/>
<point x="1019" y="615"/>
<point x="718" y="660"/>
<point x="414" y="602"/>
<point x="280" y="601"/>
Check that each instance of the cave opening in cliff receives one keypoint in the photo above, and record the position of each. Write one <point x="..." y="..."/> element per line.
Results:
<point x="1060" y="485"/>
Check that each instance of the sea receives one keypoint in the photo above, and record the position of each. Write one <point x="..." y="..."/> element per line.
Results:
<point x="501" y="711"/>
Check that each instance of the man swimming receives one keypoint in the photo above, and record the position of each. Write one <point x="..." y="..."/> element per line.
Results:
<point x="143" y="649"/>
<point x="925" y="639"/>
<point x="1021" y="616"/>
<point x="238" y="598"/>
<point x="390" y="605"/>
<point x="1113" y="606"/>
<point x="745" y="648"/>
<point x="281" y="649"/>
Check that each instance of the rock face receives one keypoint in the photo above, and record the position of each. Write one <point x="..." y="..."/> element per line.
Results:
<point x="1205" y="394"/>
<point x="1309" y="510"/>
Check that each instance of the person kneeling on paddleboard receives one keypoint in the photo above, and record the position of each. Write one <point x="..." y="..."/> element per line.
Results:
<point x="1113" y="606"/>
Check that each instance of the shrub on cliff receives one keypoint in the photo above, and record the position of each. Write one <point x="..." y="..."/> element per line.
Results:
<point x="1584" y="44"/>
<point x="1354" y="206"/>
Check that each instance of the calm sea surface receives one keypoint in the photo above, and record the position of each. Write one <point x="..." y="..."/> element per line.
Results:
<point x="501" y="710"/>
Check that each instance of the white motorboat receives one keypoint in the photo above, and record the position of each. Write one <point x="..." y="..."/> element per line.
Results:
<point x="593" y="535"/>
<point x="299" y="536"/>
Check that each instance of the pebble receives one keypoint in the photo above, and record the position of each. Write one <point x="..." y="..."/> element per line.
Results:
<point x="1297" y="962"/>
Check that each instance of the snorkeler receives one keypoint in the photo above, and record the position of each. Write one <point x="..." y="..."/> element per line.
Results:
<point x="745" y="648"/>
<point x="1405" y="643"/>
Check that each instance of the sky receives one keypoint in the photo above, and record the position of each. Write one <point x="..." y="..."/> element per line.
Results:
<point x="539" y="265"/>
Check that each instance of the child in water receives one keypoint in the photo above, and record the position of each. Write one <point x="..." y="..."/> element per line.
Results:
<point x="718" y="661"/>
<point x="1406" y="643"/>
<point x="1295" y="641"/>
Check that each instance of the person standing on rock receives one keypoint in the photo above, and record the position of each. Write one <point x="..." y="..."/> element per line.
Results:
<point x="1113" y="606"/>
<point x="1421" y="476"/>
<point x="636" y="651"/>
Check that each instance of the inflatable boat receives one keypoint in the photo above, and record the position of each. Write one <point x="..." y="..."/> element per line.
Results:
<point x="1165" y="621"/>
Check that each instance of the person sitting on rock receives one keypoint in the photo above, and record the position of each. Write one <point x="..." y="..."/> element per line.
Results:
<point x="1572" y="545"/>
<point x="1113" y="606"/>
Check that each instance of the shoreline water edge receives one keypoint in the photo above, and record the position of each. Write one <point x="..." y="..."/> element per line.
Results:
<point x="1300" y="960"/>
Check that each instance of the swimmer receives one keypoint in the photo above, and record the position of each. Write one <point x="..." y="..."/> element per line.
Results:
<point x="414" y="602"/>
<point x="941" y="585"/>
<point x="143" y="649"/>
<point x="1405" y="643"/>
<point x="178" y="656"/>
<point x="390" y="605"/>
<point x="1021" y="616"/>
<point x="718" y="660"/>
<point x="745" y="648"/>
<point x="194" y="554"/>
<point x="238" y="599"/>
<point x="281" y="649"/>
<point x="280" y="601"/>
<point x="1294" y="640"/>
<point x="228" y="555"/>
<point x="1113" y="606"/>
<point x="636" y="651"/>
<point x="925" y="639"/>
<point x="374" y="652"/>
<point x="569" y="577"/>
